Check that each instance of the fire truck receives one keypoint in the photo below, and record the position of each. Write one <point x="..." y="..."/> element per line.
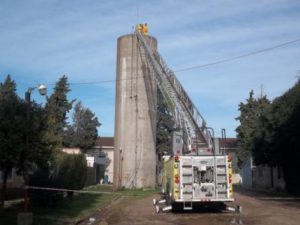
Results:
<point x="198" y="171"/>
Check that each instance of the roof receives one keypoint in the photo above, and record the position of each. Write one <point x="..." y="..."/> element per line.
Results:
<point x="230" y="143"/>
<point x="105" y="141"/>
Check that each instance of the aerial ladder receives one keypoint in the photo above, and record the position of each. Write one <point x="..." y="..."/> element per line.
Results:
<point x="187" y="118"/>
<point x="197" y="172"/>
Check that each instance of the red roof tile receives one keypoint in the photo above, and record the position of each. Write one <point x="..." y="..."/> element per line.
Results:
<point x="228" y="142"/>
<point x="105" y="141"/>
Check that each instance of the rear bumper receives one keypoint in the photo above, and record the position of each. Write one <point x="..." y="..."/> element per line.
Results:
<point x="205" y="200"/>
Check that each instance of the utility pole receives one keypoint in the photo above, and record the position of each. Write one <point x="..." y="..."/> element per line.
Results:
<point x="42" y="90"/>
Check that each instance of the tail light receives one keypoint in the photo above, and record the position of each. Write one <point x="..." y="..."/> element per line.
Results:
<point x="177" y="180"/>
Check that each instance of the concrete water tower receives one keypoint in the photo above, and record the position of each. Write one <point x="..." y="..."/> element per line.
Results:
<point x="135" y="116"/>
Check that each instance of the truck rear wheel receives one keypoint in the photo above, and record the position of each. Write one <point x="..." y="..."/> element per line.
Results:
<point x="177" y="207"/>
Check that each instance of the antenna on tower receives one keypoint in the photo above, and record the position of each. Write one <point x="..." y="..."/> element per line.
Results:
<point x="137" y="12"/>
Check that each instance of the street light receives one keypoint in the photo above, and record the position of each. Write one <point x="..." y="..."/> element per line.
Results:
<point x="41" y="88"/>
<point x="43" y="91"/>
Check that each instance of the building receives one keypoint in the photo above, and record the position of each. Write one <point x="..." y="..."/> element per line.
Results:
<point x="99" y="159"/>
<point x="105" y="147"/>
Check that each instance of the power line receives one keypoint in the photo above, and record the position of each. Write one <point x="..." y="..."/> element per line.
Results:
<point x="101" y="81"/>
<point x="238" y="57"/>
<point x="199" y="66"/>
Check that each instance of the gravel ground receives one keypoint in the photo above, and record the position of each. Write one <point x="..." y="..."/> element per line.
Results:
<point x="258" y="209"/>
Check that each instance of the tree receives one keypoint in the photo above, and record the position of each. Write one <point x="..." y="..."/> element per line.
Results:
<point x="262" y="134"/>
<point x="253" y="129"/>
<point x="83" y="132"/>
<point x="164" y="126"/>
<point x="22" y="139"/>
<point x="10" y="122"/>
<point x="270" y="132"/>
<point x="57" y="108"/>
<point x="285" y="142"/>
<point x="246" y="128"/>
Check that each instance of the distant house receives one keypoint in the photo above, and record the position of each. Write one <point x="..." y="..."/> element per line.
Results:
<point x="105" y="146"/>
<point x="99" y="160"/>
<point x="71" y="150"/>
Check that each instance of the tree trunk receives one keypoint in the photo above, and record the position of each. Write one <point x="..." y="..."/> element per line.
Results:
<point x="3" y="189"/>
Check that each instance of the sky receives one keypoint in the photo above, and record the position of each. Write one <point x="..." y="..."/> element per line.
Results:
<point x="41" y="40"/>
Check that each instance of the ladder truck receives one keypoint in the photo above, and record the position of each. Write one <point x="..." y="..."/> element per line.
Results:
<point x="197" y="172"/>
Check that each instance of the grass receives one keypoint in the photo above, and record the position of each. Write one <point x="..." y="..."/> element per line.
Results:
<point x="71" y="210"/>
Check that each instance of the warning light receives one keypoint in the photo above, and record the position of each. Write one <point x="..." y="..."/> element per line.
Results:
<point x="177" y="180"/>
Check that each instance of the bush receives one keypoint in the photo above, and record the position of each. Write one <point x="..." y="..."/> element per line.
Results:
<point x="44" y="178"/>
<point x="72" y="172"/>
<point x="67" y="172"/>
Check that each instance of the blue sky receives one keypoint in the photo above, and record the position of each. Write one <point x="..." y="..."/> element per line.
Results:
<point x="42" y="40"/>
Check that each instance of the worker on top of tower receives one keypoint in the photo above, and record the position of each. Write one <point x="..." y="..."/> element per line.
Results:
<point x="145" y="28"/>
<point x="142" y="28"/>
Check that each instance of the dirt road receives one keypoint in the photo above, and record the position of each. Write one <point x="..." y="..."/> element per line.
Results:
<point x="258" y="209"/>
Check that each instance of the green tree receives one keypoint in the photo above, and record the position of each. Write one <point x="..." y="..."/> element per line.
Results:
<point x="71" y="172"/>
<point x="11" y="121"/>
<point x="57" y="108"/>
<point x="83" y="132"/>
<point x="23" y="145"/>
<point x="253" y="129"/>
<point x="270" y="132"/>
<point x="285" y="142"/>
<point x="164" y="126"/>
<point x="262" y="134"/>
<point x="246" y="128"/>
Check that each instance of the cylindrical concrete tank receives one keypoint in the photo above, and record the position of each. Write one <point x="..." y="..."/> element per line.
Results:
<point x="135" y="116"/>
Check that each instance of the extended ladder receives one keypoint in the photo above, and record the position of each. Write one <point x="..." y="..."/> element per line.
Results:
<point x="185" y="113"/>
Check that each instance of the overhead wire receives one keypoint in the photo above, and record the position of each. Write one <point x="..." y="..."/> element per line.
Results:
<point x="200" y="66"/>
<point x="99" y="82"/>
<point x="237" y="57"/>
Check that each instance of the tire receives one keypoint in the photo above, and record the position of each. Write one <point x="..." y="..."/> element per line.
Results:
<point x="177" y="207"/>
